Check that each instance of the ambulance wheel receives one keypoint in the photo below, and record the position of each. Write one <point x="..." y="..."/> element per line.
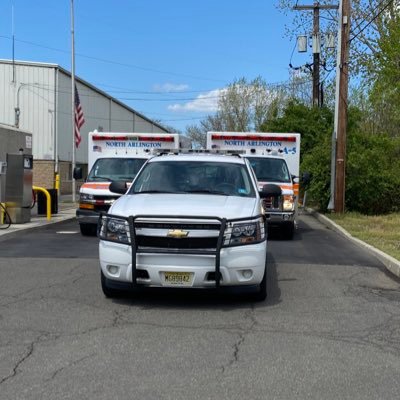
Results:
<point x="108" y="292"/>
<point x="288" y="231"/>
<point x="88" y="229"/>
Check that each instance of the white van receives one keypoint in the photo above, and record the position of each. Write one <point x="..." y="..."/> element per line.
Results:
<point x="187" y="220"/>
<point x="114" y="156"/>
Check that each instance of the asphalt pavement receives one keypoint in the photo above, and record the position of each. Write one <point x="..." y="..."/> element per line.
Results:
<point x="66" y="211"/>
<point x="329" y="328"/>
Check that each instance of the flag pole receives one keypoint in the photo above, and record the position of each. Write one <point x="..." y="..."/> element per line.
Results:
<point x="73" y="99"/>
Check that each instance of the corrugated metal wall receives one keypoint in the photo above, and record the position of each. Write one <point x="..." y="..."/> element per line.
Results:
<point x="121" y="119"/>
<point x="100" y="112"/>
<point x="7" y="94"/>
<point x="45" y="110"/>
<point x="96" y="111"/>
<point x="33" y="91"/>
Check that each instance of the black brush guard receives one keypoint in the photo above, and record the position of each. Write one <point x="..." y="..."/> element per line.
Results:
<point x="131" y="220"/>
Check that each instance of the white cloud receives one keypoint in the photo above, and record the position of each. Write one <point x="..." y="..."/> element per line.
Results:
<point x="205" y="102"/>
<point x="170" y="87"/>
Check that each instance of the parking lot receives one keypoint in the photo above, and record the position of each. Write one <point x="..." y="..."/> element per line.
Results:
<point x="329" y="328"/>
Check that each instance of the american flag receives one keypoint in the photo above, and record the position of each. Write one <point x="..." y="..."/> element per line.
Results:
<point x="79" y="119"/>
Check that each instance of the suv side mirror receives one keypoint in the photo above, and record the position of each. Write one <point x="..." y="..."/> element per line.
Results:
<point x="270" y="190"/>
<point x="77" y="173"/>
<point x="118" y="187"/>
<point x="295" y="179"/>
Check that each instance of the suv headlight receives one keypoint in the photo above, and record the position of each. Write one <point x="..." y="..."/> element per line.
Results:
<point x="115" y="229"/>
<point x="245" y="233"/>
<point x="288" y="203"/>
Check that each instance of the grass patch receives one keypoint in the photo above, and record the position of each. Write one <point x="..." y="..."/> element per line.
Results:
<point x="380" y="231"/>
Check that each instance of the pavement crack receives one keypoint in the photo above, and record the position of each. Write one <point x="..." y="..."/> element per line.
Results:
<point x="236" y="347"/>
<point x="68" y="365"/>
<point x="28" y="354"/>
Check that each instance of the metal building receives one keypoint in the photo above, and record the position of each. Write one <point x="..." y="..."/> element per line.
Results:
<point x="36" y="97"/>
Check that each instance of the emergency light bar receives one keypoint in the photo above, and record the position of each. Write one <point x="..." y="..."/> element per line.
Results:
<point x="254" y="137"/>
<point x="138" y="138"/>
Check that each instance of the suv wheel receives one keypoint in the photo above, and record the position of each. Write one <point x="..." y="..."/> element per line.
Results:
<point x="261" y="293"/>
<point x="108" y="292"/>
<point x="288" y="231"/>
<point x="88" y="229"/>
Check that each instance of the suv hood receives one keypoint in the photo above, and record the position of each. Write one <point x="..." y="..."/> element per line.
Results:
<point x="202" y="205"/>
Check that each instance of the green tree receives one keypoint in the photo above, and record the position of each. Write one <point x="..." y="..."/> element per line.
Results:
<point x="372" y="179"/>
<point x="243" y="106"/>
<point x="311" y="122"/>
<point x="385" y="90"/>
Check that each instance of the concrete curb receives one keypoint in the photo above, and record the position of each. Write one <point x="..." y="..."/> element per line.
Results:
<point x="389" y="262"/>
<point x="15" y="230"/>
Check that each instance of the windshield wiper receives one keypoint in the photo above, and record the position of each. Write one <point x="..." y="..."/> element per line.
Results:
<point x="126" y="177"/>
<point x="268" y="179"/>
<point x="156" y="191"/>
<point x="102" y="177"/>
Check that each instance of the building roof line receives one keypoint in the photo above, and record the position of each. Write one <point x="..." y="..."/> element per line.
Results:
<point x="86" y="83"/>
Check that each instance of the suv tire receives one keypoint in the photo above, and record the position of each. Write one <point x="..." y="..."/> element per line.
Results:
<point x="261" y="293"/>
<point x="88" y="229"/>
<point x="288" y="231"/>
<point x="108" y="292"/>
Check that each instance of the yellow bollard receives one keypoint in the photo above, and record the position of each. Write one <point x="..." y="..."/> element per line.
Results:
<point x="2" y="213"/>
<point x="57" y="181"/>
<point x="48" y="200"/>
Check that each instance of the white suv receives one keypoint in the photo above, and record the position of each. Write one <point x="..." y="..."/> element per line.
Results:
<point x="186" y="221"/>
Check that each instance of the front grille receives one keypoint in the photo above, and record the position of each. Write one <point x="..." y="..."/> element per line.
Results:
<point x="186" y="227"/>
<point x="105" y="198"/>
<point x="211" y="276"/>
<point x="173" y="243"/>
<point x="100" y="208"/>
<point x="271" y="203"/>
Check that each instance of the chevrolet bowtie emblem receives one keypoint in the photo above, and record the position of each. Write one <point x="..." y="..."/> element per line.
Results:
<point x="177" y="233"/>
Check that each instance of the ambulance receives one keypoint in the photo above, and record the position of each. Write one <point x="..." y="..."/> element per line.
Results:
<point x="112" y="157"/>
<point x="275" y="158"/>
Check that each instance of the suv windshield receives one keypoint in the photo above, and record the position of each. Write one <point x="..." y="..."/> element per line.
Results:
<point x="202" y="177"/>
<point x="115" y="169"/>
<point x="270" y="169"/>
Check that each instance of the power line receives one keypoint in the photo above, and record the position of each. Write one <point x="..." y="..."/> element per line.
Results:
<point x="97" y="117"/>
<point x="160" y="92"/>
<point x="333" y="18"/>
<point x="115" y="62"/>
<point x="84" y="93"/>
<point x="372" y="20"/>
<point x="327" y="75"/>
<point x="291" y="56"/>
<point x="173" y="99"/>
<point x="137" y="91"/>
<point x="364" y="19"/>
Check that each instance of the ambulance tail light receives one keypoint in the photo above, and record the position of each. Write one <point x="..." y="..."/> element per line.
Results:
<point x="161" y="138"/>
<point x="253" y="137"/>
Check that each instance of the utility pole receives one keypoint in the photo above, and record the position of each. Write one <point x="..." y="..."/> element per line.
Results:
<point x="316" y="58"/>
<point x="316" y="45"/>
<point x="331" y="205"/>
<point x="339" y="199"/>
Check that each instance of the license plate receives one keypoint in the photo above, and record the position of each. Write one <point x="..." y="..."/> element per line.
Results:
<point x="178" y="278"/>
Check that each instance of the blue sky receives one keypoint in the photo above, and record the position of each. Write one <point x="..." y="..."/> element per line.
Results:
<point x="166" y="59"/>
